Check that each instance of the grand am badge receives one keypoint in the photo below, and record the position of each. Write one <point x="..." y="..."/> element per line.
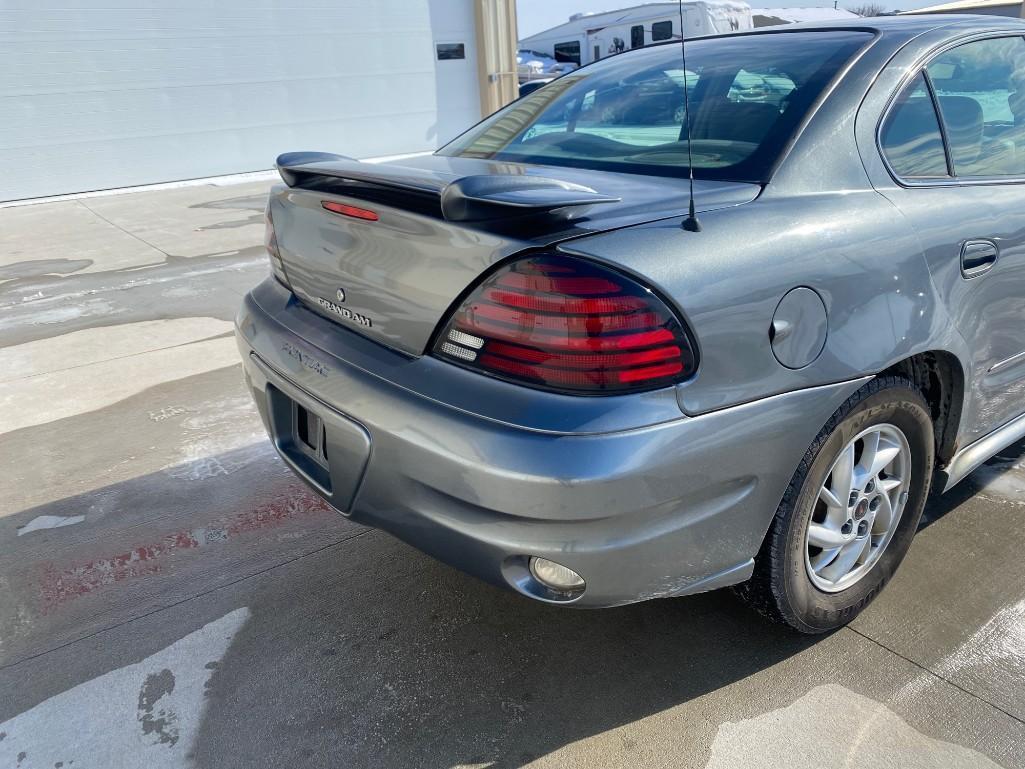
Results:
<point x="336" y="309"/>
<point x="344" y="312"/>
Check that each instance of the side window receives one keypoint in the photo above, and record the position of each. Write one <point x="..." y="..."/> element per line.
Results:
<point x="637" y="36"/>
<point x="911" y="136"/>
<point x="568" y="52"/>
<point x="662" y="30"/>
<point x="980" y="88"/>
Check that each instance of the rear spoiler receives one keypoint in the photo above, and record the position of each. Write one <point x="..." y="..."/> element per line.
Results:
<point x="486" y="197"/>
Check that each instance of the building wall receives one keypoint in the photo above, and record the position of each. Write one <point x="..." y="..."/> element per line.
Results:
<point x="1014" y="10"/>
<point x="125" y="92"/>
<point x="456" y="80"/>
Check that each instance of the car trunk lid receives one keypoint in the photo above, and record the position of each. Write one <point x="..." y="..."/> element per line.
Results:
<point x="430" y="227"/>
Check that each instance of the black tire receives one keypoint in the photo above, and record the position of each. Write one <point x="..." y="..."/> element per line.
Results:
<point x="780" y="587"/>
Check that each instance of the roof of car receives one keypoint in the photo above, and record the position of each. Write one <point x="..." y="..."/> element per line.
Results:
<point x="897" y="30"/>
<point x="965" y="6"/>
<point x="916" y="23"/>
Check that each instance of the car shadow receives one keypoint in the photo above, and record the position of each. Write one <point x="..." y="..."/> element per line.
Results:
<point x="389" y="658"/>
<point x="360" y="651"/>
<point x="437" y="669"/>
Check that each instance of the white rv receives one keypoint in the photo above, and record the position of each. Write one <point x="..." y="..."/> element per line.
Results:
<point x="589" y="37"/>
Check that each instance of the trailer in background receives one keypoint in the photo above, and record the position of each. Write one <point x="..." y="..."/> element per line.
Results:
<point x="771" y="17"/>
<point x="589" y="37"/>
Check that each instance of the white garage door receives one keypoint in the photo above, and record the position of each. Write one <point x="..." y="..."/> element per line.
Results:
<point x="96" y="94"/>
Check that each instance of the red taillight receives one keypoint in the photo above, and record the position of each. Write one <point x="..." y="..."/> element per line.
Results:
<point x="353" y="211"/>
<point x="567" y="324"/>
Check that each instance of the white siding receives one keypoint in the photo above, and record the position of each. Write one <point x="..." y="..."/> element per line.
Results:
<point x="456" y="84"/>
<point x="97" y="94"/>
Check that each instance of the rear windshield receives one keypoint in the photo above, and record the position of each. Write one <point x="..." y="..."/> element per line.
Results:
<point x="748" y="95"/>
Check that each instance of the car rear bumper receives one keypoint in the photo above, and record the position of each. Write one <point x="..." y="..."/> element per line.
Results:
<point x="671" y="508"/>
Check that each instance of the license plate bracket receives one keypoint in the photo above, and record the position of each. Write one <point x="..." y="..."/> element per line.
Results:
<point x="324" y="447"/>
<point x="309" y="433"/>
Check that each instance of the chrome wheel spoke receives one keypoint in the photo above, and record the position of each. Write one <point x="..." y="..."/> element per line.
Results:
<point x="843" y="475"/>
<point x="823" y="559"/>
<point x="858" y="507"/>
<point x="869" y="451"/>
<point x="883" y="453"/>
<point x="884" y="516"/>
<point x="825" y="536"/>
<point x="845" y="561"/>
<point x="887" y="485"/>
<point x="829" y="499"/>
<point x="866" y="551"/>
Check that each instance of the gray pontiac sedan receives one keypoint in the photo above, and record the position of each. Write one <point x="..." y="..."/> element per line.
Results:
<point x="539" y="356"/>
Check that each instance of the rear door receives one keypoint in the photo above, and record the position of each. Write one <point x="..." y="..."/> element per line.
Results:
<point x="954" y="140"/>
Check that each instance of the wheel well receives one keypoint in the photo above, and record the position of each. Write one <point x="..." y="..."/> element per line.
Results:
<point x="939" y="376"/>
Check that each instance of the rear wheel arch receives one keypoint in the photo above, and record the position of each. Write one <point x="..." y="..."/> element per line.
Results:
<point x="940" y="377"/>
<point x="777" y="588"/>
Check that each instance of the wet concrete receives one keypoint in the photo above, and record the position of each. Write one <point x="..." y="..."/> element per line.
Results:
<point x="171" y="596"/>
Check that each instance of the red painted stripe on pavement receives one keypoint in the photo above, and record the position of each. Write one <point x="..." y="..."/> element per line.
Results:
<point x="60" y="585"/>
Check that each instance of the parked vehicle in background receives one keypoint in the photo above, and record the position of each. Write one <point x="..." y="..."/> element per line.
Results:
<point x="532" y="85"/>
<point x="520" y="356"/>
<point x="531" y="65"/>
<point x="586" y="38"/>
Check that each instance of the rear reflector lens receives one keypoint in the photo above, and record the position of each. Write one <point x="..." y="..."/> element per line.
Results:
<point x="353" y="211"/>
<point x="563" y="323"/>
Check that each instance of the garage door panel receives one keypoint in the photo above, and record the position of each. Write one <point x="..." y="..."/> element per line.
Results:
<point x="142" y="160"/>
<point x="135" y="93"/>
<point x="86" y="18"/>
<point x="195" y="63"/>
<point x="117" y="115"/>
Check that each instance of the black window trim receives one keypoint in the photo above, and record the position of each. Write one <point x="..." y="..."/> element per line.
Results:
<point x="920" y="69"/>
<point x="935" y="99"/>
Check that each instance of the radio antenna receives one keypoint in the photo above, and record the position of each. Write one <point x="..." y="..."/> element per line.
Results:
<point x="691" y="223"/>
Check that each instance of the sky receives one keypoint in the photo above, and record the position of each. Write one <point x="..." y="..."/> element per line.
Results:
<point x="537" y="15"/>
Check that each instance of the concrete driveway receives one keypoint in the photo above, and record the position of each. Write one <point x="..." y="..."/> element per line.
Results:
<point x="170" y="596"/>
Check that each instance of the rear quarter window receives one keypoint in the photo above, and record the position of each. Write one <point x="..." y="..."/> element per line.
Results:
<point x="911" y="138"/>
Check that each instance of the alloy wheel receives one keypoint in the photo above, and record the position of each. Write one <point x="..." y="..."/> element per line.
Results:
<point x="858" y="508"/>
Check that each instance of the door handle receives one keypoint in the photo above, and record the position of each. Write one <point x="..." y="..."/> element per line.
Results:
<point x="978" y="258"/>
